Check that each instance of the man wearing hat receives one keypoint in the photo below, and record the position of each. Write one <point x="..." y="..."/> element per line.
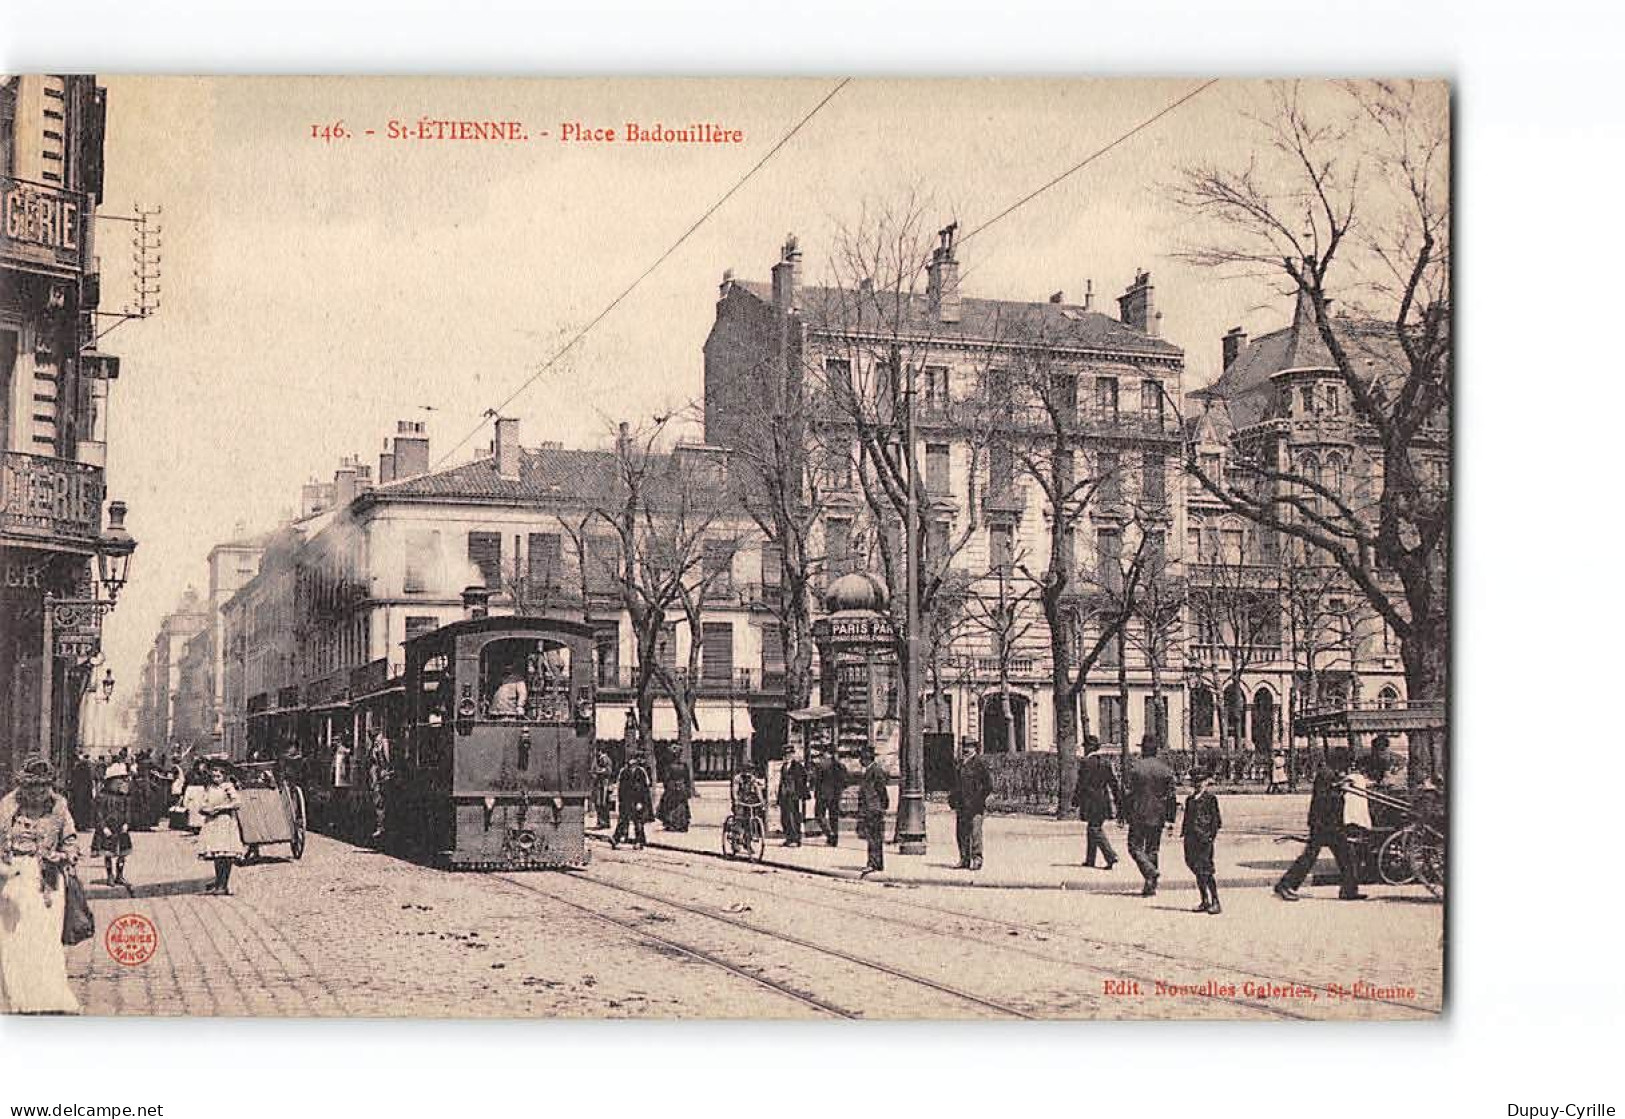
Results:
<point x="873" y="800"/>
<point x="1098" y="797"/>
<point x="1150" y="807"/>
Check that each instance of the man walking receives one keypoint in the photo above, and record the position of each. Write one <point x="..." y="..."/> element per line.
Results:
<point x="829" y="782"/>
<point x="1098" y="798"/>
<point x="973" y="784"/>
<point x="792" y="799"/>
<point x="603" y="775"/>
<point x="1325" y="830"/>
<point x="1151" y="806"/>
<point x="635" y="802"/>
<point x="873" y="800"/>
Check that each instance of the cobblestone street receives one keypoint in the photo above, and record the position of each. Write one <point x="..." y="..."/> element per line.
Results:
<point x="677" y="933"/>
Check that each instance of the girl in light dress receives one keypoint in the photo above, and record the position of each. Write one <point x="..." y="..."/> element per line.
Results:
<point x="221" y="839"/>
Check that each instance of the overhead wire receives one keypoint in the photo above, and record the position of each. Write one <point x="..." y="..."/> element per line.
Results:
<point x="647" y="272"/>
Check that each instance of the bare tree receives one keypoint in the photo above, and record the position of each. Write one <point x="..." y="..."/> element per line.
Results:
<point x="1003" y="607"/>
<point x="1351" y="202"/>
<point x="686" y="544"/>
<point x="1158" y="626"/>
<point x="1236" y="611"/>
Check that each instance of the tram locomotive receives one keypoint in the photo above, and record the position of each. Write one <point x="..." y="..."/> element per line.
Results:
<point x="494" y="768"/>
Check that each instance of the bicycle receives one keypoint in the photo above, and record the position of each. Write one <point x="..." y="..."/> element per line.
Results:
<point x="745" y="832"/>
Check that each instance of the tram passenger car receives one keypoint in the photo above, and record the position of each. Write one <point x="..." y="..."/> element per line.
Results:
<point x="495" y="768"/>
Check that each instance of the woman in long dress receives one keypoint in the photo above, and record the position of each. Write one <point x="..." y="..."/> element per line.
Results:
<point x="679" y="786"/>
<point x="38" y="841"/>
<point x="221" y="839"/>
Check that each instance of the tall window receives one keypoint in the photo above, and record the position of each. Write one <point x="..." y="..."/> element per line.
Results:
<point x="717" y="653"/>
<point x="1156" y="552"/>
<point x="1001" y="468"/>
<point x="1063" y="389"/>
<point x="1151" y="403"/>
<point x="773" y="661"/>
<point x="936" y="543"/>
<point x="1334" y="400"/>
<point x="603" y="564"/>
<point x="1153" y="478"/>
<point x="716" y="566"/>
<point x="8" y="371"/>
<point x="1111" y="720"/>
<point x="838" y="466"/>
<point x="838" y="374"/>
<point x="936" y="469"/>
<point x="936" y="386"/>
<point x="1307" y="393"/>
<point x="422" y="555"/>
<point x="1110" y="470"/>
<point x="606" y="653"/>
<point x="1109" y="557"/>
<point x="1000" y="541"/>
<point x="419" y="624"/>
<point x="998" y="389"/>
<point x="485" y="553"/>
<point x="1106" y="399"/>
<point x="546" y="560"/>
<point x="772" y="565"/>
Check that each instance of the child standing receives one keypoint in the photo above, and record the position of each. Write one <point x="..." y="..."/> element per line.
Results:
<point x="1200" y="829"/>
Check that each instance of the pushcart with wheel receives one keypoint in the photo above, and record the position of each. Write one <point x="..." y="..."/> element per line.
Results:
<point x="273" y="809"/>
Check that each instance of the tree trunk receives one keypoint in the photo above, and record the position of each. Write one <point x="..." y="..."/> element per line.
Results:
<point x="1122" y="685"/>
<point x="1427" y="663"/>
<point x="1063" y="702"/>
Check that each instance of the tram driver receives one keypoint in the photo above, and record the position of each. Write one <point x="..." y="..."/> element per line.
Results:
<point x="510" y="696"/>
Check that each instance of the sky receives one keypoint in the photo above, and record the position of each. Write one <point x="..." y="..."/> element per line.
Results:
<point x="315" y="291"/>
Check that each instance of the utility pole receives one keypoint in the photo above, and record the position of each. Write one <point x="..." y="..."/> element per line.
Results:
<point x="911" y="797"/>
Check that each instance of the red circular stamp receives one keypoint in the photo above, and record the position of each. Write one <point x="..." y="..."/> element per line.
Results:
<point x="131" y="939"/>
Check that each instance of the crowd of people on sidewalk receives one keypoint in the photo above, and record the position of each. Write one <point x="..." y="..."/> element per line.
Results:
<point x="43" y="907"/>
<point x="1143" y="798"/>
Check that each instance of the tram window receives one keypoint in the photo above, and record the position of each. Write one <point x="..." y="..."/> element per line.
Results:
<point x="526" y="679"/>
<point x="434" y="690"/>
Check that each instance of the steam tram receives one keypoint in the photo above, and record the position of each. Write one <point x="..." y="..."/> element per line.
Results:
<point x="490" y="742"/>
<point x="494" y="770"/>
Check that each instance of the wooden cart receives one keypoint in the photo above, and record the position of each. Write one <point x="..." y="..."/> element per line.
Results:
<point x="273" y="809"/>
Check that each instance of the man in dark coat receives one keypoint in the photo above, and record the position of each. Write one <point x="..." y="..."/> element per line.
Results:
<point x="1201" y="830"/>
<point x="1098" y="798"/>
<point x="81" y="789"/>
<point x="792" y="799"/>
<point x="873" y="800"/>
<point x="1150" y="807"/>
<point x="973" y="784"/>
<point x="1325" y="830"/>
<point x="632" y="791"/>
<point x="829" y="781"/>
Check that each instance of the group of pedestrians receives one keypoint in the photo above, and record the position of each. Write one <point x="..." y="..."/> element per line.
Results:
<point x="1148" y="806"/>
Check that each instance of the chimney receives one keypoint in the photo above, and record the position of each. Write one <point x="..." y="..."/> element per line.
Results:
<point x="476" y="601"/>
<point x="386" y="465"/>
<point x="1136" y="309"/>
<point x="787" y="276"/>
<point x="344" y="484"/>
<point x="314" y="497"/>
<point x="507" y="448"/>
<point x="411" y="449"/>
<point x="1233" y="343"/>
<point x="727" y="284"/>
<point x="1057" y="297"/>
<point x="1088" y="295"/>
<point x="942" y="277"/>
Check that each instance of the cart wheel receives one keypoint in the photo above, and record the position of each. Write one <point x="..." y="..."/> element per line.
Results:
<point x="1394" y="860"/>
<point x="755" y="840"/>
<point x="297" y="843"/>
<point x="1425" y="850"/>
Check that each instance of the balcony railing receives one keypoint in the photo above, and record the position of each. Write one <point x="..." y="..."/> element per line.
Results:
<point x="736" y="682"/>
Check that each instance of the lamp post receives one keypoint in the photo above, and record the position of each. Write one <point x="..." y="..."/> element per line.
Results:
<point x="72" y="626"/>
<point x="911" y="796"/>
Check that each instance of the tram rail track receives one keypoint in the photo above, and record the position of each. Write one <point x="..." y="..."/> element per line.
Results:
<point x="841" y="887"/>
<point x="956" y="993"/>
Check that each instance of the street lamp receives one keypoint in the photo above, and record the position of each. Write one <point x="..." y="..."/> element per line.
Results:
<point x="114" y="551"/>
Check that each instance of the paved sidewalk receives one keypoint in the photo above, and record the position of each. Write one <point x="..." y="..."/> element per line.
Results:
<point x="1027" y="852"/>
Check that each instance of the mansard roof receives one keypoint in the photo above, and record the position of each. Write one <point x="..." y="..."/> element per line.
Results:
<point x="1059" y="325"/>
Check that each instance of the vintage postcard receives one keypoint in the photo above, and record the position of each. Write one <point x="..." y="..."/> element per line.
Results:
<point x="815" y="548"/>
